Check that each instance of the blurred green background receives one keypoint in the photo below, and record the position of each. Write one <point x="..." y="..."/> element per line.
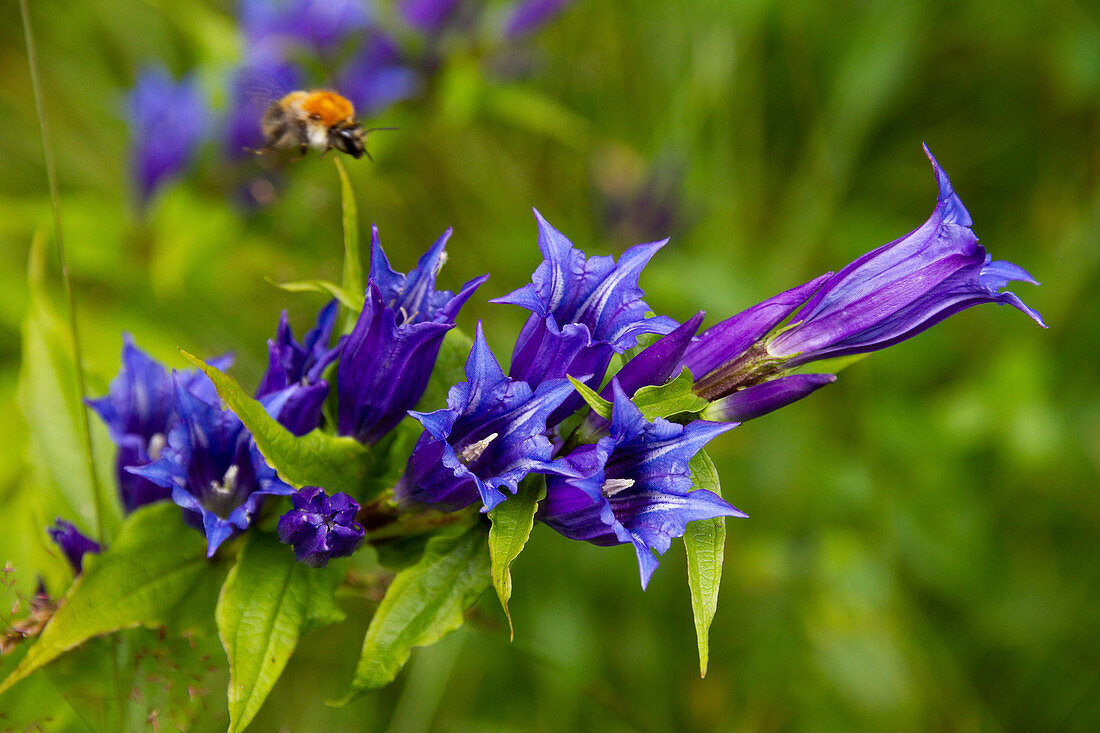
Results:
<point x="922" y="550"/>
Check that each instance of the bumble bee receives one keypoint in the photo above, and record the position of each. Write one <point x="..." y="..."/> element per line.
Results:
<point x="320" y="119"/>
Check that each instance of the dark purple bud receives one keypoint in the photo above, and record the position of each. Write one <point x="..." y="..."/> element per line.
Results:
<point x="292" y="389"/>
<point x="321" y="527"/>
<point x="72" y="543"/>
<point x="760" y="399"/>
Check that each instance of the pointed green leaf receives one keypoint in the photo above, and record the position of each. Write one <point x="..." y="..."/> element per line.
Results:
<point x="268" y="601"/>
<point x="599" y="405"/>
<point x="353" y="262"/>
<point x="512" y="523"/>
<point x="671" y="398"/>
<point x="335" y="463"/>
<point x="155" y="564"/>
<point x="49" y="398"/>
<point x="705" y="542"/>
<point x="423" y="604"/>
<point x="349" y="299"/>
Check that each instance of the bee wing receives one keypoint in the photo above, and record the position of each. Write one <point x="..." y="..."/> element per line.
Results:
<point x="259" y="86"/>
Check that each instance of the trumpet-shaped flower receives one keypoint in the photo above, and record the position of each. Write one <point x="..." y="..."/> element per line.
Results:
<point x="389" y="355"/>
<point x="583" y="311"/>
<point x="321" y="527"/>
<point x="634" y="485"/>
<point x="292" y="388"/>
<point x="138" y="409"/>
<point x="902" y="288"/>
<point x="213" y="469"/>
<point x="72" y="543"/>
<point x="488" y="438"/>
<point x="886" y="296"/>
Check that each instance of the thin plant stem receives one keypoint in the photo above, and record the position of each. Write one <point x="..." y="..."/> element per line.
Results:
<point x="117" y="711"/>
<point x="66" y="278"/>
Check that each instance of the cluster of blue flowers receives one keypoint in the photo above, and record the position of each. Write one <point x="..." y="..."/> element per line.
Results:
<point x="372" y="59"/>
<point x="616" y="479"/>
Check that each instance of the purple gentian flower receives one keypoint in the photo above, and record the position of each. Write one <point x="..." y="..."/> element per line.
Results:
<point x="488" y="438"/>
<point x="72" y="543"/>
<point x="389" y="355"/>
<point x="583" y="311"/>
<point x="634" y="485"/>
<point x="168" y="120"/>
<point x="902" y="288"/>
<point x="321" y="527"/>
<point x="213" y="469"/>
<point x="292" y="389"/>
<point x="527" y="16"/>
<point x="882" y="298"/>
<point x="138" y="409"/>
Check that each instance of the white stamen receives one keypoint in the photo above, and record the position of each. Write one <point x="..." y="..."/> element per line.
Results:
<point x="613" y="486"/>
<point x="156" y="445"/>
<point x="472" y="452"/>
<point x="228" y="484"/>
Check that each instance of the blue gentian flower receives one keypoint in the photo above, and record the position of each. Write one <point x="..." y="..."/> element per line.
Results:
<point x="213" y="469"/>
<point x="884" y="297"/>
<point x="634" y="485"/>
<point x="900" y="289"/>
<point x="72" y="543"/>
<point x="488" y="438"/>
<point x="292" y="389"/>
<point x="138" y="409"/>
<point x="527" y="16"/>
<point x="583" y="311"/>
<point x="321" y="527"/>
<point x="168" y="120"/>
<point x="389" y="355"/>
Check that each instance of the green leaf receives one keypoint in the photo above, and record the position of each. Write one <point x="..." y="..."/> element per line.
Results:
<point x="450" y="369"/>
<point x="335" y="463"/>
<point x="671" y="398"/>
<point x="49" y="398"/>
<point x="353" y="262"/>
<point x="512" y="523"/>
<point x="349" y="299"/>
<point x="156" y="563"/>
<point x="268" y="601"/>
<point x="705" y="542"/>
<point x="423" y="604"/>
<point x="599" y="405"/>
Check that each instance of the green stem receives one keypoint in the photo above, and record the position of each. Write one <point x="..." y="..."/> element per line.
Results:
<point x="66" y="278"/>
<point x="74" y="330"/>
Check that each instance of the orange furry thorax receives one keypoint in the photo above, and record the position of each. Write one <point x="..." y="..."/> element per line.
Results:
<point x="327" y="106"/>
